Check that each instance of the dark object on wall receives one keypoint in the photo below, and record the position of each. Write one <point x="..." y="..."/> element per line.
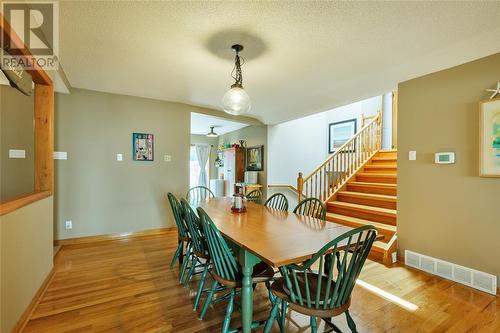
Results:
<point x="255" y="158"/>
<point x="339" y="132"/>
<point x="18" y="78"/>
<point x="143" y="147"/>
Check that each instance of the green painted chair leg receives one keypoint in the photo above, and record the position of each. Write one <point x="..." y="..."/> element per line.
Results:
<point x="176" y="254"/>
<point x="283" y="315"/>
<point x="208" y="300"/>
<point x="314" y="327"/>
<point x="191" y="271"/>
<point x="229" y="312"/>
<point x="350" y="322"/>
<point x="272" y="316"/>
<point x="201" y="284"/>
<point x="185" y="264"/>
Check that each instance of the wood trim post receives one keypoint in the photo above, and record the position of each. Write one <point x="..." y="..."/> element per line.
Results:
<point x="300" y="185"/>
<point x="44" y="138"/>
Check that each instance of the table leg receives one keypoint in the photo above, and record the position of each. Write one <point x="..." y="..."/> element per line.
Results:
<point x="248" y="261"/>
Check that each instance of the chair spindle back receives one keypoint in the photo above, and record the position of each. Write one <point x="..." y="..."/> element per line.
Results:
<point x="199" y="193"/>
<point x="195" y="229"/>
<point x="311" y="207"/>
<point x="177" y="211"/>
<point x="223" y="260"/>
<point x="340" y="262"/>
<point x="277" y="201"/>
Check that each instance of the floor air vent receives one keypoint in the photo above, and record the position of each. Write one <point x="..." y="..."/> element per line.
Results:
<point x="467" y="276"/>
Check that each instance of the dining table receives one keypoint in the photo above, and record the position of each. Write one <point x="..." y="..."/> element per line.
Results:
<point x="270" y="235"/>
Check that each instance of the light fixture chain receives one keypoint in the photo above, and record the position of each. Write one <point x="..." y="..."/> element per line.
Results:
<point x="236" y="73"/>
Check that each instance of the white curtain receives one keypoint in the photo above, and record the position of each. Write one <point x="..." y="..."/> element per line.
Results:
<point x="202" y="154"/>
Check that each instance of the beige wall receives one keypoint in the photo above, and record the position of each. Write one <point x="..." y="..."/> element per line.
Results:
<point x="447" y="211"/>
<point x="101" y="195"/>
<point x="26" y="257"/>
<point x="203" y="139"/>
<point x="254" y="135"/>
<point x="17" y="132"/>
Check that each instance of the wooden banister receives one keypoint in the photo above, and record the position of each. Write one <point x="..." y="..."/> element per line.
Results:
<point x="324" y="181"/>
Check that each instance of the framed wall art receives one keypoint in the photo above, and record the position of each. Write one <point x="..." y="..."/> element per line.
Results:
<point x="489" y="138"/>
<point x="143" y="147"/>
<point x="339" y="133"/>
<point x="255" y="158"/>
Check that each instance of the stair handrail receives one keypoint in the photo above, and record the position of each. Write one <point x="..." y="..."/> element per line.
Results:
<point x="321" y="183"/>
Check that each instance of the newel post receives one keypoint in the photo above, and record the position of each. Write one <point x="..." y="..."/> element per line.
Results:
<point x="300" y="185"/>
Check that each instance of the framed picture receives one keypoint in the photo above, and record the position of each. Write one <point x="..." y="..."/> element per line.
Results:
<point x="255" y="158"/>
<point x="489" y="138"/>
<point x="143" y="147"/>
<point x="339" y="133"/>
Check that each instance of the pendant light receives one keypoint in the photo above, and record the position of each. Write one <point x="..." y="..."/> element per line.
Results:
<point x="212" y="134"/>
<point x="236" y="100"/>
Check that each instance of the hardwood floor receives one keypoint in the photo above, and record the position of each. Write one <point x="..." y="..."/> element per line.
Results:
<point x="126" y="286"/>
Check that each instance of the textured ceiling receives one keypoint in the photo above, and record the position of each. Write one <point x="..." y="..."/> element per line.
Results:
<point x="302" y="57"/>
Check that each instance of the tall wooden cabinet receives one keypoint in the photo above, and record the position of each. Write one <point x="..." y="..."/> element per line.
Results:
<point x="234" y="168"/>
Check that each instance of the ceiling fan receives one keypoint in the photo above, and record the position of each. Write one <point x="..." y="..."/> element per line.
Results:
<point x="212" y="134"/>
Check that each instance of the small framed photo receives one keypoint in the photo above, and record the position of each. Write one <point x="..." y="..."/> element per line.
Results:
<point x="489" y="138"/>
<point x="143" y="147"/>
<point x="339" y="133"/>
<point x="255" y="158"/>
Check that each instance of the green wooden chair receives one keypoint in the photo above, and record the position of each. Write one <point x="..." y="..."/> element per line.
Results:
<point x="277" y="201"/>
<point x="227" y="271"/>
<point x="199" y="193"/>
<point x="311" y="207"/>
<point x="255" y="196"/>
<point x="328" y="294"/>
<point x="182" y="230"/>
<point x="199" y="256"/>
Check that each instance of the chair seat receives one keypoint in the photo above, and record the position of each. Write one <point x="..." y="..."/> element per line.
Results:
<point x="262" y="272"/>
<point x="279" y="289"/>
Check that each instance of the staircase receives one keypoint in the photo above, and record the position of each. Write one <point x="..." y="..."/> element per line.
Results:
<point x="370" y="198"/>
<point x="358" y="184"/>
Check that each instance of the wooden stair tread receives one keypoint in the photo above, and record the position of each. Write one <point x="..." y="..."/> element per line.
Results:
<point x="383" y="197"/>
<point x="379" y="246"/>
<point x="359" y="221"/>
<point x="387" y="185"/>
<point x="381" y="166"/>
<point x="376" y="174"/>
<point x="385" y="158"/>
<point x="370" y="209"/>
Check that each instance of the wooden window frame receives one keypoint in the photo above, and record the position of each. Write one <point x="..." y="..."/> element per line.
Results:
<point x="44" y="126"/>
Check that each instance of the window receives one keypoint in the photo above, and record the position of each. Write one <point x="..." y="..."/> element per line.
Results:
<point x="194" y="168"/>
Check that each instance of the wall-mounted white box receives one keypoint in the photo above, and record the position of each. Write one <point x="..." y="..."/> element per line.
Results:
<point x="60" y="155"/>
<point x="17" y="153"/>
<point x="412" y="155"/>
<point x="119" y="157"/>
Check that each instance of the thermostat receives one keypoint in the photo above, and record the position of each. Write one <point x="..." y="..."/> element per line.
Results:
<point x="444" y="158"/>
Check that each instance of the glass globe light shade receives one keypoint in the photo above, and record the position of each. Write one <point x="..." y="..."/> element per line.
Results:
<point x="236" y="101"/>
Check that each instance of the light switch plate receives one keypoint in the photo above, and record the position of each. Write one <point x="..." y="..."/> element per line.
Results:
<point x="119" y="157"/>
<point x="60" y="155"/>
<point x="167" y="158"/>
<point x="17" y="153"/>
<point x="412" y="155"/>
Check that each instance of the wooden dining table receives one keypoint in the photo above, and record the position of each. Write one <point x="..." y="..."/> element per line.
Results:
<point x="270" y="235"/>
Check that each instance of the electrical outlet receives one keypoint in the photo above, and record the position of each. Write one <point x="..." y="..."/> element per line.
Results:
<point x="68" y="225"/>
<point x="167" y="158"/>
<point x="119" y="157"/>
